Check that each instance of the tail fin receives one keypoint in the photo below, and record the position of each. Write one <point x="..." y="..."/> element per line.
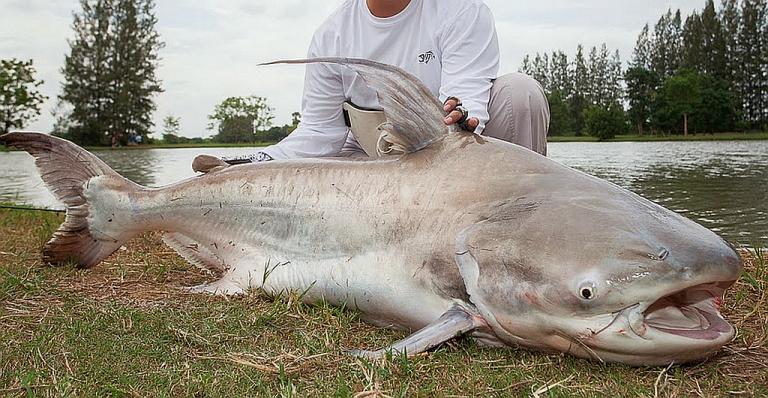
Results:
<point x="66" y="169"/>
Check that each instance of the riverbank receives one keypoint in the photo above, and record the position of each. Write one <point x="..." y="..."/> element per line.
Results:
<point x="755" y="136"/>
<point x="125" y="328"/>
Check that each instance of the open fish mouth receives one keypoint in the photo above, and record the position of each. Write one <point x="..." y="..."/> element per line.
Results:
<point x="693" y="312"/>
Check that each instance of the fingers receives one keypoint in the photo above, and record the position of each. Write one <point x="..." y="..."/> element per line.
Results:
<point x="455" y="113"/>
<point x="451" y="103"/>
<point x="472" y="123"/>
<point x="207" y="163"/>
<point x="453" y="117"/>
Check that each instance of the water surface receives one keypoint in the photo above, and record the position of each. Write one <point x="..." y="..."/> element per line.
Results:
<point x="722" y="185"/>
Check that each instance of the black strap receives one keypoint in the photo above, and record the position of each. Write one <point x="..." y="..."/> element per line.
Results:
<point x="237" y="161"/>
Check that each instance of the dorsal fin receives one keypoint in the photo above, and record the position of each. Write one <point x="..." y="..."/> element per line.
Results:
<point x="415" y="115"/>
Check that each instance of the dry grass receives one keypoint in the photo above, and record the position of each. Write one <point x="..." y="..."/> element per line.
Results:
<point x="125" y="329"/>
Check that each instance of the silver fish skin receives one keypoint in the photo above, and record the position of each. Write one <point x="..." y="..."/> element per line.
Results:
<point x="460" y="234"/>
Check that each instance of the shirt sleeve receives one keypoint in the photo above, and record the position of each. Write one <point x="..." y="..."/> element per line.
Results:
<point x="470" y="61"/>
<point x="322" y="131"/>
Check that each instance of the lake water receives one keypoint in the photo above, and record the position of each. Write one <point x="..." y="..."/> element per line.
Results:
<point x="722" y="185"/>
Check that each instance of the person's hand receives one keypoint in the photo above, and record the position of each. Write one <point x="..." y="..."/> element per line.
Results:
<point x="207" y="163"/>
<point x="455" y="113"/>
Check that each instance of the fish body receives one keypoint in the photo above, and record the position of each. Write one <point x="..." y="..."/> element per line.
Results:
<point x="456" y="234"/>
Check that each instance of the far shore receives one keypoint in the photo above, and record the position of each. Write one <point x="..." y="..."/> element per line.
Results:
<point x="752" y="136"/>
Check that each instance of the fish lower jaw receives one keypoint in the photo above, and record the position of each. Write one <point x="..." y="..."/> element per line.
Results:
<point x="692" y="313"/>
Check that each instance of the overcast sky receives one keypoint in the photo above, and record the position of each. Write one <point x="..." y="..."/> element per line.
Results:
<point x="213" y="46"/>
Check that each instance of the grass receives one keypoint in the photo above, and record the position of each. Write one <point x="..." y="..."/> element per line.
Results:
<point x="124" y="328"/>
<point x="644" y="138"/>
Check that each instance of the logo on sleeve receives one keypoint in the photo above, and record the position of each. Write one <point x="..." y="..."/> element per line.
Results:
<point x="426" y="57"/>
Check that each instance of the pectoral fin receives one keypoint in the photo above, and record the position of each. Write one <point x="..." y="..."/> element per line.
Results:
<point x="195" y="253"/>
<point x="458" y="320"/>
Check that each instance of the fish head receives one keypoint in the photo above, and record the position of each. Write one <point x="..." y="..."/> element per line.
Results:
<point x="605" y="275"/>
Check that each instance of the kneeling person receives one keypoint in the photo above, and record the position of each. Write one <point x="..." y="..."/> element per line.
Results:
<point x="450" y="45"/>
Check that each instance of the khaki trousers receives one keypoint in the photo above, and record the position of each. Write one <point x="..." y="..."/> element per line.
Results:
<point x="518" y="113"/>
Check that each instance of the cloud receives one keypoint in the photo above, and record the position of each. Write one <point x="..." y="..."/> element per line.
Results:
<point x="213" y="46"/>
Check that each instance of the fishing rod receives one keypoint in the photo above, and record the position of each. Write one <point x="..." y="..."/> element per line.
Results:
<point x="10" y="207"/>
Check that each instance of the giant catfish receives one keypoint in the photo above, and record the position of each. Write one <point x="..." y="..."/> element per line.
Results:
<point x="453" y="233"/>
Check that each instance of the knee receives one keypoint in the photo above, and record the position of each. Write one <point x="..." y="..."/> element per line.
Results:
<point x="516" y="87"/>
<point x="522" y="95"/>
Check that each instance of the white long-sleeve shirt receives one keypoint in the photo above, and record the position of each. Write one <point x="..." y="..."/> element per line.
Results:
<point x="450" y="45"/>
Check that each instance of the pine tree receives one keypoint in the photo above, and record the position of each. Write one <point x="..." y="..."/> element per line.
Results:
<point x="713" y="43"/>
<point x="85" y="73"/>
<point x="676" y="43"/>
<point x="693" y="53"/>
<point x="764" y="46"/>
<point x="752" y="81"/>
<point x="667" y="40"/>
<point x="578" y="101"/>
<point x="134" y="82"/>
<point x="730" y="20"/>
<point x="110" y="71"/>
<point x="595" y="77"/>
<point x="526" y="66"/>
<point x="615" y="91"/>
<point x="540" y="70"/>
<point x="560" y="76"/>
<point x="641" y="57"/>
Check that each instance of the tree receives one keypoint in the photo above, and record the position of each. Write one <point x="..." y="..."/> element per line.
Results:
<point x="667" y="44"/>
<point x="717" y="110"/>
<point x="171" y="129"/>
<point x="20" y="100"/>
<point x="541" y="70"/>
<point x="135" y="58"/>
<point x="597" y="70"/>
<point x="641" y="90"/>
<point x="560" y="75"/>
<point x="561" y="121"/>
<point x="752" y="60"/>
<point x="238" y="119"/>
<point x="573" y="86"/>
<point x="680" y="96"/>
<point x="278" y="133"/>
<point x="605" y="122"/>
<point x="579" y="99"/>
<point x="110" y="72"/>
<point x="693" y="35"/>
<point x="641" y="57"/>
<point x="730" y="19"/>
<point x="613" y="91"/>
<point x="526" y="67"/>
<point x="713" y="43"/>
<point x="765" y="74"/>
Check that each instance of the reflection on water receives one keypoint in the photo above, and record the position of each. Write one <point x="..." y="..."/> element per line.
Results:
<point x="722" y="185"/>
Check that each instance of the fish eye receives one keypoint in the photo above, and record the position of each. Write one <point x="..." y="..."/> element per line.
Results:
<point x="587" y="292"/>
